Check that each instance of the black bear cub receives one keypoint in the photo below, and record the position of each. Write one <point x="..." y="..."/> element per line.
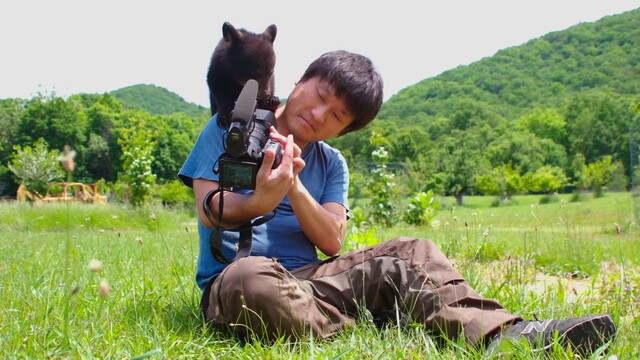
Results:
<point x="239" y="56"/>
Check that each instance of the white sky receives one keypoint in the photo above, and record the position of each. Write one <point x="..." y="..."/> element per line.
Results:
<point x="85" y="46"/>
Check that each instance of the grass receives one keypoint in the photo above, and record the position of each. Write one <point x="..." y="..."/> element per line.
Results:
<point x="93" y="281"/>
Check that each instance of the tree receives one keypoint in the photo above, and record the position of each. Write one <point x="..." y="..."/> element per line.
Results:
<point x="599" y="174"/>
<point x="545" y="124"/>
<point x="137" y="149"/>
<point x="103" y="153"/>
<point x="545" y="180"/>
<point x="98" y="151"/>
<point x="173" y="144"/>
<point x="407" y="143"/>
<point x="503" y="181"/>
<point x="423" y="175"/>
<point x="57" y="121"/>
<point x="578" y="166"/>
<point x="524" y="150"/>
<point x="457" y="160"/>
<point x="358" y="143"/>
<point x="10" y="112"/>
<point x="36" y="167"/>
<point x="598" y="124"/>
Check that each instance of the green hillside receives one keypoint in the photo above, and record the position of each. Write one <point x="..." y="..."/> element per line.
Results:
<point x="553" y="113"/>
<point x="544" y="72"/>
<point x="156" y="100"/>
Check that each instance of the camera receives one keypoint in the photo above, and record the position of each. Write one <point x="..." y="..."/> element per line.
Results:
<point x="246" y="141"/>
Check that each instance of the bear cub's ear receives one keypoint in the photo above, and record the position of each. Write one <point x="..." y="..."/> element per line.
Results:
<point x="271" y="32"/>
<point x="230" y="33"/>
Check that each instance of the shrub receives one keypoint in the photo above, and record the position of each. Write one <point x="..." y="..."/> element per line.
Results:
<point x="421" y="209"/>
<point x="545" y="180"/>
<point x="54" y="190"/>
<point x="36" y="167"/>
<point x="381" y="187"/>
<point x="175" y="194"/>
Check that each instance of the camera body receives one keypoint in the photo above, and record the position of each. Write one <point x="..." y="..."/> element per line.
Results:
<point x="246" y="141"/>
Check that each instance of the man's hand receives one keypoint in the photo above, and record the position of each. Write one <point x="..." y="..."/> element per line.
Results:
<point x="273" y="184"/>
<point x="298" y="163"/>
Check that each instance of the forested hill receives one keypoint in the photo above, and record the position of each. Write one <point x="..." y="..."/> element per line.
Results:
<point x="547" y="109"/>
<point x="603" y="55"/>
<point x="156" y="100"/>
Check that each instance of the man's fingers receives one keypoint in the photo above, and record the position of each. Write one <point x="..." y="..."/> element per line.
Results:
<point x="275" y="135"/>
<point x="267" y="161"/>
<point x="298" y="165"/>
<point x="290" y="144"/>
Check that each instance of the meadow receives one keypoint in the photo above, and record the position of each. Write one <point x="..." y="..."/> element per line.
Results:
<point x="112" y="282"/>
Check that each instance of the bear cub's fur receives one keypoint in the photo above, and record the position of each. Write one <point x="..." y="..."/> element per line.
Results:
<point x="239" y="56"/>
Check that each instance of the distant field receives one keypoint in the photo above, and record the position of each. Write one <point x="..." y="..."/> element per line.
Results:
<point x="563" y="234"/>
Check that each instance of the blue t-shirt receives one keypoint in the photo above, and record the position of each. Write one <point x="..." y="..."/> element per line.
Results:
<point x="325" y="176"/>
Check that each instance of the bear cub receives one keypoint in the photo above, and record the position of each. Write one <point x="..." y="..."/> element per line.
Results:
<point x="239" y="56"/>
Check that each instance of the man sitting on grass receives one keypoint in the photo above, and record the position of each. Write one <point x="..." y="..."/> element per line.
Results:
<point x="282" y="288"/>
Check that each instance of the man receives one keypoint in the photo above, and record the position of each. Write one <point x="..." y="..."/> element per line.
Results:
<point x="282" y="288"/>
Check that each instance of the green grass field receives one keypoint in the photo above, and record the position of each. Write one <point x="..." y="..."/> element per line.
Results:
<point x="96" y="281"/>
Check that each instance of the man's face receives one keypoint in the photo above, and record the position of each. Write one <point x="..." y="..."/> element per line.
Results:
<point x="314" y="113"/>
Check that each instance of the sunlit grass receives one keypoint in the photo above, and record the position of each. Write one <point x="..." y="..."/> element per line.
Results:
<point x="93" y="281"/>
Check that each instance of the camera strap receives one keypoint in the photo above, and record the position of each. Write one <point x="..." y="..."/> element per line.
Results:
<point x="245" y="230"/>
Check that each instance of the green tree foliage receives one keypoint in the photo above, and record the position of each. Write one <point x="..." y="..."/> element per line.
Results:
<point x="10" y="113"/>
<point x="545" y="124"/>
<point x="503" y="181"/>
<point x="525" y="150"/>
<point x="456" y="161"/>
<point x="598" y="124"/>
<point x="175" y="137"/>
<point x="174" y="194"/>
<point x="357" y="185"/>
<point x="35" y="167"/>
<point x="357" y="145"/>
<point x="557" y="96"/>
<point x="58" y="121"/>
<point x="545" y="180"/>
<point x="602" y="55"/>
<point x="102" y="156"/>
<point x="422" y="176"/>
<point x="137" y="148"/>
<point x="90" y="124"/>
<point x="598" y="175"/>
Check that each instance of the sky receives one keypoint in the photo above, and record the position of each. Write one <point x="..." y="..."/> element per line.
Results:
<point x="67" y="47"/>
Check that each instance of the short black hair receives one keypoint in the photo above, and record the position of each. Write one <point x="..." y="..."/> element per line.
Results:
<point x="354" y="79"/>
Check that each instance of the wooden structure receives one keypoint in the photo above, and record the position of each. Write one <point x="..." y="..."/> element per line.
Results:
<point x="70" y="191"/>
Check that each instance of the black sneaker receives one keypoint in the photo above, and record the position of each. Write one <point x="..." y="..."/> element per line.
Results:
<point x="585" y="334"/>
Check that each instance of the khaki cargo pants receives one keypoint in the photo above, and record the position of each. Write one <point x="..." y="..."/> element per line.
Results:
<point x="257" y="295"/>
